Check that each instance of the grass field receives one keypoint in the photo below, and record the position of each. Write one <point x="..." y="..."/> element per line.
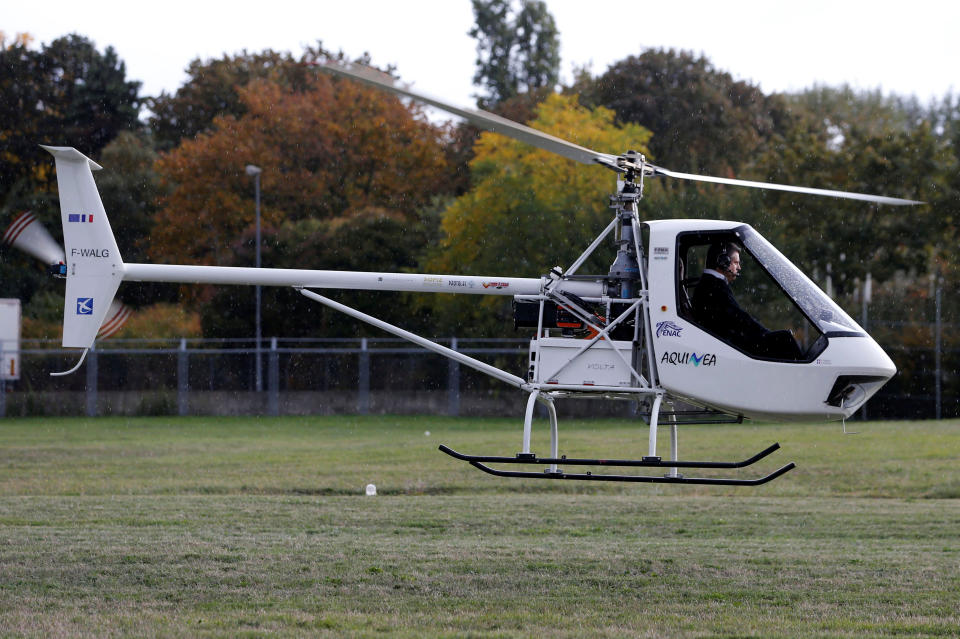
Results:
<point x="246" y="527"/>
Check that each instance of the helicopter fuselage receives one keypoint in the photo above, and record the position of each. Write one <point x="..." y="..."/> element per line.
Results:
<point x="840" y="367"/>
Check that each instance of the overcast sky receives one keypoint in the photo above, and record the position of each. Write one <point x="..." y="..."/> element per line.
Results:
<point x="901" y="47"/>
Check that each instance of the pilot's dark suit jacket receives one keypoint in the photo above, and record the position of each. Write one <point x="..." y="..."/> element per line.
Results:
<point x="715" y="309"/>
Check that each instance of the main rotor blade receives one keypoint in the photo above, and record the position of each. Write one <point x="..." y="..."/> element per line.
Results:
<point x="541" y="140"/>
<point x="879" y="199"/>
<point x="482" y="119"/>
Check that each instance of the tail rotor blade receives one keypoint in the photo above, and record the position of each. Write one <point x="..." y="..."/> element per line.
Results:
<point x="26" y="234"/>
<point x="117" y="317"/>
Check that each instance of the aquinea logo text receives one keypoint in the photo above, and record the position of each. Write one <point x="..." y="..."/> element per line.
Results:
<point x="681" y="359"/>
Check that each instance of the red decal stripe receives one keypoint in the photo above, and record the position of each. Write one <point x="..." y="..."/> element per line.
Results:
<point x="115" y="323"/>
<point x="18" y="226"/>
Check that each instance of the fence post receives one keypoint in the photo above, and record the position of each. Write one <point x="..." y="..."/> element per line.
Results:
<point x="363" y="383"/>
<point x="273" y="379"/>
<point x="183" y="378"/>
<point x="937" y="348"/>
<point x="453" y="383"/>
<point x="92" y="381"/>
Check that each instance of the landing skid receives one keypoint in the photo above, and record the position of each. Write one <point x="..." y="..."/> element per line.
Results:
<point x="480" y="461"/>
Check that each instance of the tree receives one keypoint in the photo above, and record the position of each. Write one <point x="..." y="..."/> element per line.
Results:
<point x="89" y="95"/>
<point x="213" y="89"/>
<point x="703" y="121"/>
<point x="326" y="152"/>
<point x="857" y="145"/>
<point x="518" y="49"/>
<point x="372" y="239"/>
<point x="346" y="172"/>
<point x="528" y="209"/>
<point x="65" y="93"/>
<point x="129" y="188"/>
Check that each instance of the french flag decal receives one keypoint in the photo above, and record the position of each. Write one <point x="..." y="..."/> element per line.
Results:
<point x="79" y="217"/>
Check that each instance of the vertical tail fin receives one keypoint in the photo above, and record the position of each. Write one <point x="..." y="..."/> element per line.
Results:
<point x="94" y="267"/>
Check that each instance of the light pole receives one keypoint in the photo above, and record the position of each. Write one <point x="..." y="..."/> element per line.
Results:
<point x="254" y="172"/>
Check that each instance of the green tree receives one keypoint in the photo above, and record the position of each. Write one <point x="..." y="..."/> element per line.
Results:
<point x="529" y="209"/>
<point x="703" y="121"/>
<point x="90" y="99"/>
<point x="853" y="142"/>
<point x="373" y="239"/>
<point x="130" y="189"/>
<point x="518" y="49"/>
<point x="65" y="93"/>
<point x="945" y="117"/>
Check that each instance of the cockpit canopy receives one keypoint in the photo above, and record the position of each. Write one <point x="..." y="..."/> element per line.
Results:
<point x="770" y="288"/>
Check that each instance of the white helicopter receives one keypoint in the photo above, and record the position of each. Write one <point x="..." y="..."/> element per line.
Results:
<point x="628" y="334"/>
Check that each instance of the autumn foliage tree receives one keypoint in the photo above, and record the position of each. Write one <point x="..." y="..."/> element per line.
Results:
<point x="328" y="151"/>
<point x="213" y="89"/>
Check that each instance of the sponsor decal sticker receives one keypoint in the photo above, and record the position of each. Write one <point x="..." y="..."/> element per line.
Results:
<point x="668" y="329"/>
<point x="661" y="252"/>
<point x="84" y="306"/>
<point x="436" y="281"/>
<point x="495" y="284"/>
<point x="79" y="217"/>
<point x="675" y="358"/>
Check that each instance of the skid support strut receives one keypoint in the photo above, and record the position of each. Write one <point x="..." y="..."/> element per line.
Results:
<point x="546" y="400"/>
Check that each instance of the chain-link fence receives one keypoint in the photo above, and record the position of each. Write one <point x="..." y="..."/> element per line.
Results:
<point x="375" y="375"/>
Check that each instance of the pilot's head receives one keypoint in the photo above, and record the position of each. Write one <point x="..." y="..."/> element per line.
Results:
<point x="724" y="257"/>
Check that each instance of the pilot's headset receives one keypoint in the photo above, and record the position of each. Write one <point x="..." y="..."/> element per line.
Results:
<point x="724" y="257"/>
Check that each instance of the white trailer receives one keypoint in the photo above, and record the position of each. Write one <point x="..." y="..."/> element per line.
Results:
<point x="10" y="339"/>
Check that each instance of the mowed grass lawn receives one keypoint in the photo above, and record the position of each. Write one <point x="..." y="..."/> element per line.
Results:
<point x="246" y="527"/>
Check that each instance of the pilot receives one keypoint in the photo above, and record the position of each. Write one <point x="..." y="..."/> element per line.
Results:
<point x="715" y="308"/>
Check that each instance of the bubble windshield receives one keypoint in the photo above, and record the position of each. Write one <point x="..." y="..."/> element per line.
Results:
<point x="814" y="303"/>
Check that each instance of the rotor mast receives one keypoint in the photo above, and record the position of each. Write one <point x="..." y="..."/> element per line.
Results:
<point x="625" y="270"/>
